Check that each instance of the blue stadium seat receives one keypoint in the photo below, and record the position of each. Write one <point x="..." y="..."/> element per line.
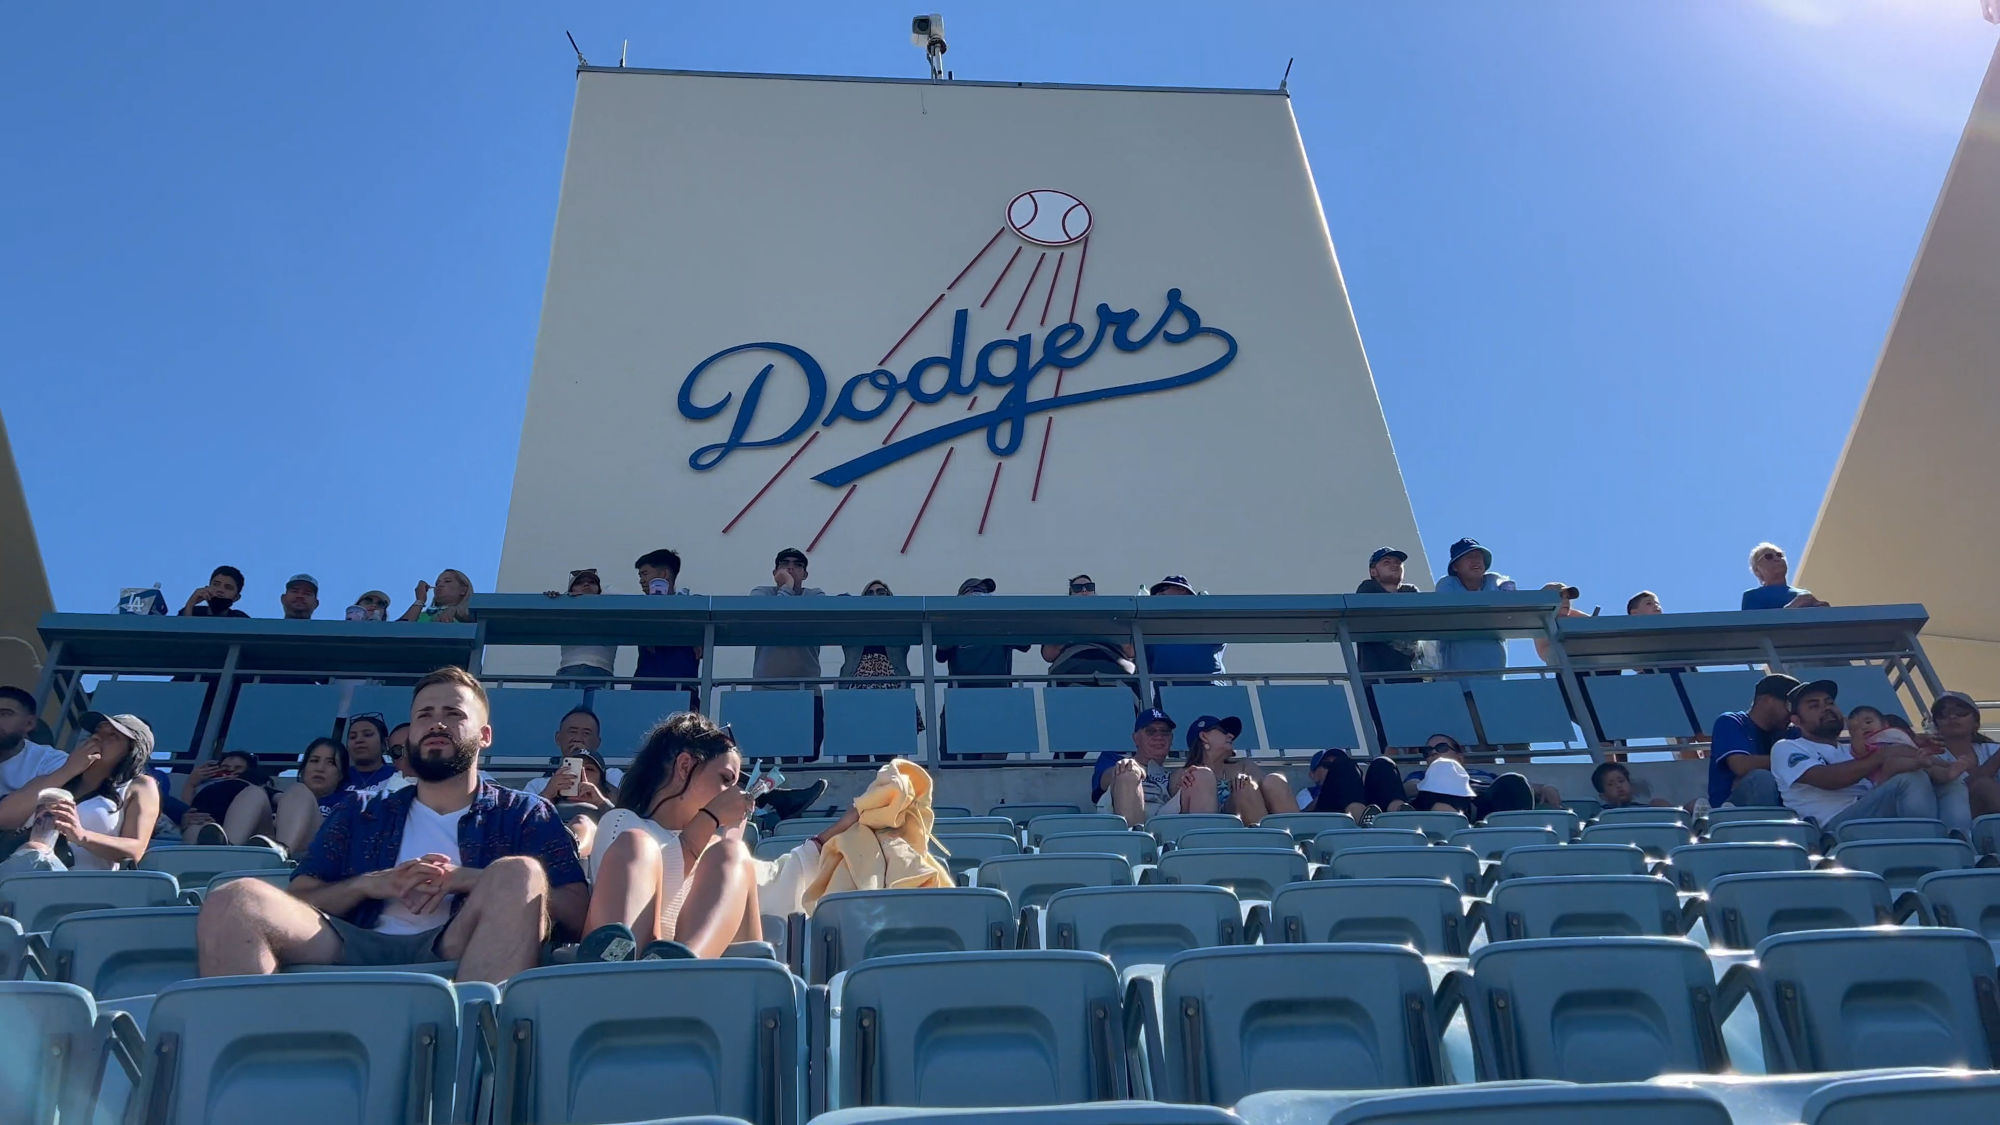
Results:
<point x="327" y="1047"/>
<point x="1088" y="720"/>
<point x="1986" y="834"/>
<point x="1968" y="898"/>
<point x="277" y="720"/>
<point x="53" y="1056"/>
<point x="1305" y="717"/>
<point x="1571" y="859"/>
<point x="1326" y="845"/>
<point x="1695" y="866"/>
<point x="1860" y="685"/>
<point x="976" y="826"/>
<point x="1797" y="832"/>
<point x="767" y="724"/>
<point x="13" y="948"/>
<point x="1187" y="702"/>
<point x="965" y="853"/>
<point x="1903" y="862"/>
<point x="122" y="953"/>
<point x="1744" y="909"/>
<point x="173" y="710"/>
<point x="1845" y="999"/>
<point x="1136" y="847"/>
<point x="1029" y="880"/>
<point x="280" y="877"/>
<point x="950" y="810"/>
<point x="1563" y="906"/>
<point x="1656" y="840"/>
<point x="193" y="865"/>
<point x="1167" y="829"/>
<point x="1585" y="807"/>
<point x="1305" y="825"/>
<point x="1516" y="1103"/>
<point x="802" y="826"/>
<point x="1425" y="914"/>
<point x="390" y="701"/>
<point x="864" y="722"/>
<point x="854" y="926"/>
<point x="1025" y="812"/>
<point x="1086" y="1113"/>
<point x="1438" y="824"/>
<point x="1142" y="925"/>
<point x="624" y="718"/>
<point x="1565" y="824"/>
<point x="1458" y="866"/>
<point x="1248" y="872"/>
<point x="1000" y="720"/>
<point x="1000" y="1028"/>
<point x="1712" y="694"/>
<point x="1602" y="1009"/>
<point x="525" y="721"/>
<point x="1522" y="709"/>
<point x="595" y="1042"/>
<point x="1890" y="828"/>
<point x="1411" y="713"/>
<point x="1491" y="842"/>
<point x="1235" y="838"/>
<point x="1241" y="1020"/>
<point x="1637" y="706"/>
<point x="39" y="901"/>
<point x="1645" y="814"/>
<point x="1905" y="1097"/>
<point x="1729" y="814"/>
<point x="1053" y="823"/>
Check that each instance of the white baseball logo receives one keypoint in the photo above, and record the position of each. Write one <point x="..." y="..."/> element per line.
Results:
<point x="1049" y="217"/>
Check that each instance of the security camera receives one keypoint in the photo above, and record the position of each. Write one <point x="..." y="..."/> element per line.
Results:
<point x="925" y="30"/>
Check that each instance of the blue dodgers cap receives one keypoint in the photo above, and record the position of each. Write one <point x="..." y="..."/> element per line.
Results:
<point x="1387" y="553"/>
<point x="1465" y="547"/>
<point x="1232" y="724"/>
<point x="1150" y="716"/>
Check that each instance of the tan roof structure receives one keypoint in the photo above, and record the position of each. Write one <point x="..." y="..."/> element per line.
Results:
<point x="24" y="586"/>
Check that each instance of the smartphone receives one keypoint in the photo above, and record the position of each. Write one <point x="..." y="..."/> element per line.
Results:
<point x="575" y="768"/>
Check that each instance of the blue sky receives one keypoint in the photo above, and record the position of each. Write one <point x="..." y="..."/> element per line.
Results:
<point x="1622" y="270"/>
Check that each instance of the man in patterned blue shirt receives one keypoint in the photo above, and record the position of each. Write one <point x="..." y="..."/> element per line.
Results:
<point x="452" y="868"/>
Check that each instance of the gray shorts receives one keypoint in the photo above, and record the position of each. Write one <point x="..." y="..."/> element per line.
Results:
<point x="372" y="947"/>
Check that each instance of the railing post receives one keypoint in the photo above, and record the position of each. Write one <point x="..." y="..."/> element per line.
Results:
<point x="47" y="679"/>
<point x="1579" y="706"/>
<point x="708" y="669"/>
<point x="1364" y="715"/>
<point x="1923" y="662"/>
<point x="476" y="660"/>
<point x="1771" y="658"/>
<point x="1139" y="664"/>
<point x="931" y="717"/>
<point x="211" y="723"/>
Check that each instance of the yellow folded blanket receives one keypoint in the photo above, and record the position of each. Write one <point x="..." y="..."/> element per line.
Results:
<point x="891" y="846"/>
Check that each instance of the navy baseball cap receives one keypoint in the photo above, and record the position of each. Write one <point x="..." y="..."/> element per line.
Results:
<point x="1831" y="689"/>
<point x="1779" y="685"/>
<point x="1150" y="716"/>
<point x="1232" y="724"/>
<point x="1387" y="553"/>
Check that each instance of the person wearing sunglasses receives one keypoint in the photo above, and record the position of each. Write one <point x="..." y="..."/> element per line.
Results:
<point x="1089" y="661"/>
<point x="1773" y="589"/>
<point x="585" y="664"/>
<point x="372" y="606"/>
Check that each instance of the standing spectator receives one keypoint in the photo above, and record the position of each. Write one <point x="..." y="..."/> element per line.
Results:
<point x="797" y="663"/>
<point x="888" y="663"/>
<point x="1613" y="782"/>
<point x="1185" y="663"/>
<point x="449" y="601"/>
<point x="1470" y="571"/>
<point x="219" y="597"/>
<point x="374" y="606"/>
<point x="1955" y="718"/>
<point x="1385" y="576"/>
<point x="116" y="802"/>
<point x="22" y="760"/>
<point x="962" y="660"/>
<point x="1772" y="591"/>
<point x="1565" y="595"/>
<point x="1739" y="753"/>
<point x="305" y="806"/>
<point x="370" y="770"/>
<point x="301" y="597"/>
<point x="664" y="667"/>
<point x="1348" y="788"/>
<point x="1096" y="658"/>
<point x="585" y="663"/>
<point x="1216" y="779"/>
<point x="1136" y="788"/>
<point x="453" y="868"/>
<point x="1824" y="782"/>
<point x="1645" y="603"/>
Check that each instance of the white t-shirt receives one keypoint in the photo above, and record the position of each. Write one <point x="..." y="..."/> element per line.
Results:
<point x="1794" y="756"/>
<point x="424" y="832"/>
<point x="602" y="657"/>
<point x="101" y="815"/>
<point x="31" y="761"/>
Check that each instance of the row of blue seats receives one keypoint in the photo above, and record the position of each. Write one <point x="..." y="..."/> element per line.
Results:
<point x="746" y="1038"/>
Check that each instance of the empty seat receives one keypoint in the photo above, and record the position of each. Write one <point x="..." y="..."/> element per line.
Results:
<point x="40" y="900"/>
<point x="1438" y="824"/>
<point x="975" y="826"/>
<point x="1458" y="866"/>
<point x="1326" y="845"/>
<point x="1491" y="843"/>
<point x="1646" y="705"/>
<point x="779" y="723"/>
<point x="1087" y="1113"/>
<point x="1845" y="999"/>
<point x="53" y="1055"/>
<point x="1237" y="1021"/>
<point x="1572" y="859"/>
<point x="1644" y="814"/>
<point x="1142" y="925"/>
<point x="1986" y="834"/>
<point x="1903" y="862"/>
<point x="604" y="1043"/>
<point x="1565" y="824"/>
<point x="1696" y="865"/>
<point x="1043" y="827"/>
<point x="1603" y="1009"/>
<point x="1136" y="847"/>
<point x="1249" y="872"/>
<point x="1167" y="829"/>
<point x="1729" y="814"/>
<point x="1655" y="839"/>
<point x="1299" y="717"/>
<point x="1528" y="1103"/>
<point x="1583" y="906"/>
<point x="1904" y="1097"/>
<point x="1029" y="880"/>
<point x="1086" y="720"/>
<point x="1744" y="909"/>
<point x="861" y="723"/>
<point x="1022" y="814"/>
<point x="1235" y="838"/>
<point x="1412" y="712"/>
<point x="1797" y="832"/>
<point x="966" y="853"/>
<point x="1522" y="709"/>
<point x="121" y="953"/>
<point x="277" y="719"/>
<point x="193" y="865"/>
<point x="1008" y="1027"/>
<point x="853" y="926"/>
<point x="325" y="1047"/>
<point x="1968" y="898"/>
<point x="991" y="719"/>
<point x="1305" y="825"/>
<point x="1890" y="828"/>
<point x="1427" y="915"/>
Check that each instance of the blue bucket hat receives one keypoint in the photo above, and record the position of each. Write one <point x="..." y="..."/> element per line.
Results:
<point x="1465" y="547"/>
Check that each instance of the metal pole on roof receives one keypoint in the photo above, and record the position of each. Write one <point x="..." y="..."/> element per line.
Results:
<point x="931" y="755"/>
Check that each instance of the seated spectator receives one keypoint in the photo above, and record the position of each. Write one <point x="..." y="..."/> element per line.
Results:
<point x="797" y="663"/>
<point x="1136" y="787"/>
<point x="450" y="601"/>
<point x="305" y="806"/>
<point x="665" y="667"/>
<point x="1486" y="792"/>
<point x="1565" y="594"/>
<point x="219" y="597"/>
<point x="1772" y="591"/>
<point x="1182" y="663"/>
<point x="1101" y="659"/>
<point x="978" y="660"/>
<point x="228" y="799"/>
<point x="578" y="736"/>
<point x="21" y="759"/>
<point x="301" y="597"/>
<point x="1645" y="603"/>
<point x="374" y="606"/>
<point x="451" y="869"/>
<point x="586" y="663"/>
<point x="1470" y="571"/>
<point x="37" y="851"/>
<point x="370" y="771"/>
<point x="399" y="742"/>
<point x="1613" y="782"/>
<point x="116" y="803"/>
<point x="1739" y="752"/>
<point x="888" y="663"/>
<point x="1822" y="781"/>
<point x="1445" y="783"/>
<point x="1348" y="788"/>
<point x="1955" y="718"/>
<point x="1215" y="779"/>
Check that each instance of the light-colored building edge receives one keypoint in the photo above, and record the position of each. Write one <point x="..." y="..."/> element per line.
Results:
<point x="24" y="585"/>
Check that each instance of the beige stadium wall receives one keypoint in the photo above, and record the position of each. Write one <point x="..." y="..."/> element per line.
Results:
<point x="24" y="585"/>
<point x="856" y="221"/>
<point x="1913" y="510"/>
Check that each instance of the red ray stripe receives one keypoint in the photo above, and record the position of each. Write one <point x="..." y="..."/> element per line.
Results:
<point x="803" y="446"/>
<point x="890" y="436"/>
<point x="1048" y="424"/>
<point x="1025" y="288"/>
<point x="975" y="259"/>
<point x="1082" y="256"/>
<point x="912" y="328"/>
<point x="814" y="545"/>
<point x="942" y="466"/>
<point x="1001" y="278"/>
<point x="1053" y="278"/>
<point x="988" y="510"/>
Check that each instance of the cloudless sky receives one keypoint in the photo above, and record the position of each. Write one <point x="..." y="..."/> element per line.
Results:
<point x="272" y="272"/>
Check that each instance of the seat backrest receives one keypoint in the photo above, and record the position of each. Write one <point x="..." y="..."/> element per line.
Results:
<point x="597" y="1042"/>
<point x="964" y="853"/>
<point x="863" y="722"/>
<point x="173" y="710"/>
<point x="1438" y="824"/>
<point x="853" y="926"/>
<point x="1029" y="880"/>
<point x="1968" y="898"/>
<point x="1583" y="906"/>
<point x="1904" y="1097"/>
<point x="1427" y="915"/>
<point x="1646" y="705"/>
<point x="1602" y="1009"/>
<point x="974" y="826"/>
<point x="1307" y="717"/>
<point x="1168" y="829"/>
<point x="328" y="1047"/>
<point x="1744" y="909"/>
<point x="1136" y="847"/>
<point x="991" y="719"/>
<point x="1236" y="838"/>
<point x="1797" y="832"/>
<point x="1248" y="872"/>
<point x="1522" y="709"/>
<point x="813" y="825"/>
<point x="1090" y="720"/>
<point x="38" y="901"/>
<point x="942" y="811"/>
<point x="1643" y="814"/>
<point x="1305" y="825"/>
<point x="280" y="877"/>
<point x="1729" y="814"/>
<point x="1326" y="845"/>
<point x="1459" y="866"/>
<point x="1565" y="824"/>
<point x="52" y="1053"/>
<point x="1572" y="859"/>
<point x="1490" y="843"/>
<point x="1693" y="867"/>
<point x="1023" y="814"/>
<point x="1245" y="1019"/>
<point x="194" y="865"/>
<point x="277" y="719"/>
<point x="1903" y="862"/>
<point x="1846" y="999"/>
<point x="1142" y="925"/>
<point x="1890" y="828"/>
<point x="1986" y="834"/>
<point x="122" y="953"/>
<point x="1654" y="838"/>
<point x="1000" y="1028"/>
<point x="1042" y="827"/>
<point x="1585" y="808"/>
<point x="1627" y="1103"/>
<point x="779" y="723"/>
<point x="1189" y="700"/>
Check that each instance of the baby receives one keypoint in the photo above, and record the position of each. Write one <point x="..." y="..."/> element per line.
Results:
<point x="1871" y="732"/>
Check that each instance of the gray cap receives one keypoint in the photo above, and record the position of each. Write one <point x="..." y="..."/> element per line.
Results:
<point x="305" y="578"/>
<point x="131" y="726"/>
